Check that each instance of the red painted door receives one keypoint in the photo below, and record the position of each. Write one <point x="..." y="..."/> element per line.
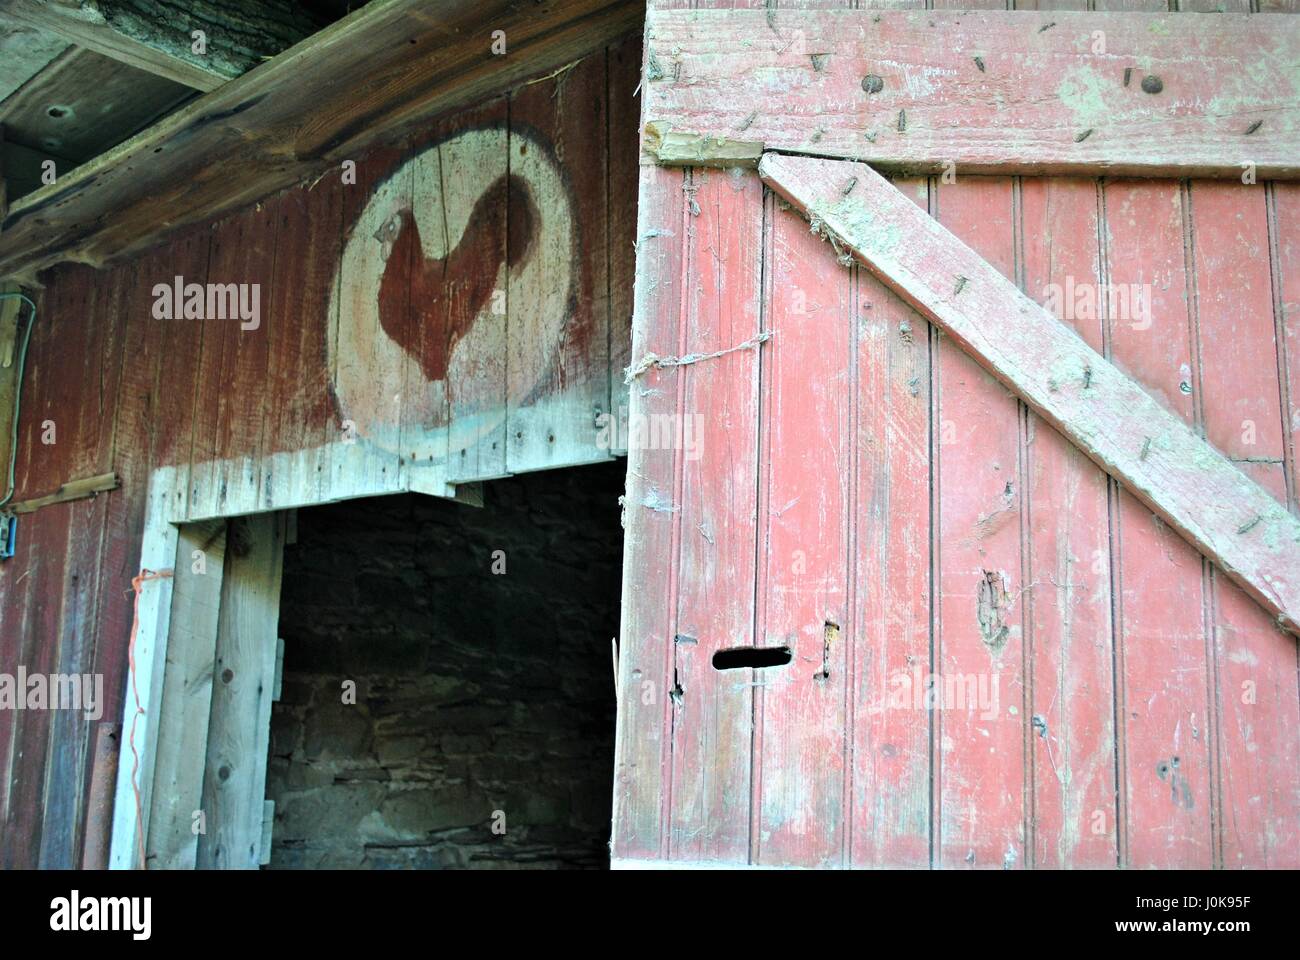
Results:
<point x="997" y="656"/>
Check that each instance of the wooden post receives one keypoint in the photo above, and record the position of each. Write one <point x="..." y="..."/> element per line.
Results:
<point x="99" y="804"/>
<point x="187" y="696"/>
<point x="239" y="730"/>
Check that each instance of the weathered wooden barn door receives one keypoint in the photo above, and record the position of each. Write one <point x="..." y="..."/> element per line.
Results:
<point x="1032" y="561"/>
<point x="191" y="790"/>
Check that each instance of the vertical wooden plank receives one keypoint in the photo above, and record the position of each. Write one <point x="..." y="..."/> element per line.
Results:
<point x="462" y="291"/>
<point x="297" y="308"/>
<point x="1213" y="6"/>
<point x="95" y="302"/>
<point x="1161" y="662"/>
<point x="228" y="423"/>
<point x="42" y="560"/>
<point x="557" y="366"/>
<point x="980" y="744"/>
<point x="1068" y="599"/>
<point x="649" y="601"/>
<point x="713" y="710"/>
<point x="1150" y="6"/>
<point x="424" y="417"/>
<point x="12" y="594"/>
<point x="146" y="655"/>
<point x="159" y="358"/>
<point x="889" y="799"/>
<point x="367" y="320"/>
<point x="180" y="374"/>
<point x="182" y="737"/>
<point x="1284" y="227"/>
<point x="1258" y="702"/>
<point x="1285" y="231"/>
<point x="808" y="382"/>
<point x="15" y="315"/>
<point x="234" y="784"/>
<point x="623" y="96"/>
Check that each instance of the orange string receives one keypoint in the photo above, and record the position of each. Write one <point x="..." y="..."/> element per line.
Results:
<point x="136" y="583"/>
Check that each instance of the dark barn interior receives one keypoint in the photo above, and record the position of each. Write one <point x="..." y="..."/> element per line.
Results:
<point x="482" y="730"/>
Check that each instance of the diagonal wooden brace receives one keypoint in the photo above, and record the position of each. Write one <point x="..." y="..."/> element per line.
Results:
<point x="1109" y="416"/>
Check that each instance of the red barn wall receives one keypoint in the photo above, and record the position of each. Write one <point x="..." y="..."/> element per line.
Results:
<point x="397" y="370"/>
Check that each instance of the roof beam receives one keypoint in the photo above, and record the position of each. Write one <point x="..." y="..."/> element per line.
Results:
<point x="157" y="37"/>
<point x="928" y="91"/>
<point x="1152" y="452"/>
<point x="365" y="79"/>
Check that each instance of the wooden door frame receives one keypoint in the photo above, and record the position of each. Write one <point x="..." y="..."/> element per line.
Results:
<point x="182" y="599"/>
<point x="167" y="619"/>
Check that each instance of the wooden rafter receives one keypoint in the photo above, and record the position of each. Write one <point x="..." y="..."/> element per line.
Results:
<point x="1153" y="453"/>
<point x="365" y="79"/>
<point x="926" y="91"/>
<point x="156" y="37"/>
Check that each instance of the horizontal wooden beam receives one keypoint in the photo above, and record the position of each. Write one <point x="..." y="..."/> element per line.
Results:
<point x="925" y="91"/>
<point x="672" y="148"/>
<point x="157" y="37"/>
<point x="72" y="490"/>
<point x="1152" y="452"/>
<point x="367" y="78"/>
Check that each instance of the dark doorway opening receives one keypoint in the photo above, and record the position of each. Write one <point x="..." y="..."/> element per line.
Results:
<point x="477" y="644"/>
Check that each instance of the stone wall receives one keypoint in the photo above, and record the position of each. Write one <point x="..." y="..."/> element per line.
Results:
<point x="482" y="699"/>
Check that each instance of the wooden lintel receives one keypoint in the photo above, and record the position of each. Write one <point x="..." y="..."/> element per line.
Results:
<point x="368" y="78"/>
<point x="675" y="148"/>
<point x="1152" y="452"/>
<point x="928" y="91"/>
<point x="72" y="490"/>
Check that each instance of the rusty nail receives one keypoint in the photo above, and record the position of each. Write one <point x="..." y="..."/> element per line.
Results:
<point x="1152" y="84"/>
<point x="872" y="83"/>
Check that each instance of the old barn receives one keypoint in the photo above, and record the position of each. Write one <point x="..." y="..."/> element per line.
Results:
<point x="593" y="433"/>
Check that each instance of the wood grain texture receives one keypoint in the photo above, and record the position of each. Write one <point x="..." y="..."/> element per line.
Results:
<point x="182" y="736"/>
<point x="889" y="624"/>
<point x="233" y="373"/>
<point x="1069" y="647"/>
<point x="991" y="91"/>
<point x="623" y="94"/>
<point x="799" y="759"/>
<point x="1189" y="483"/>
<point x="234" y="781"/>
<point x="1162" y="666"/>
<point x="82" y="104"/>
<point x="713" y="710"/>
<point x="24" y="52"/>
<point x="558" y="384"/>
<point x="651" y="520"/>
<point x="90" y="450"/>
<point x="1255" y="680"/>
<point x="981" y="792"/>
